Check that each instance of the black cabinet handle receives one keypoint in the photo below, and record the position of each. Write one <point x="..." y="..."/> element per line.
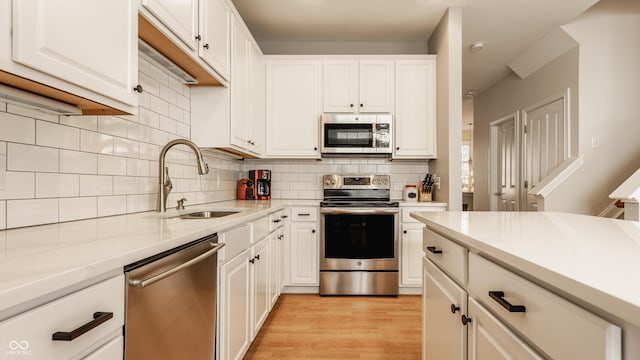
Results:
<point x="397" y="147"/>
<point x="350" y="105"/>
<point x="404" y="231"/>
<point x="433" y="250"/>
<point x="361" y="105"/>
<point x="198" y="37"/>
<point x="304" y="214"/>
<point x="257" y="257"/>
<point x="284" y="216"/>
<point x="315" y="149"/>
<point x="138" y="88"/>
<point x="252" y="260"/>
<point x="454" y="308"/>
<point x="277" y="220"/>
<point x="498" y="296"/>
<point x="313" y="231"/>
<point x="466" y="320"/>
<point x="98" y="318"/>
<point x="206" y="46"/>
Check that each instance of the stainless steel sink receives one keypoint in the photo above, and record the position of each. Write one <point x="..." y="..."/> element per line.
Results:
<point x="206" y="214"/>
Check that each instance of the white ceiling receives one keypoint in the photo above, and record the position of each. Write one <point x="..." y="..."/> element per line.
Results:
<point x="506" y="26"/>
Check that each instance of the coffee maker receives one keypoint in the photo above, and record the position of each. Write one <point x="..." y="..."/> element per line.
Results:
<point x="262" y="183"/>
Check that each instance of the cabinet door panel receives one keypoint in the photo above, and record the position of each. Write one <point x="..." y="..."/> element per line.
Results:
<point x="180" y="16"/>
<point x="292" y="108"/>
<point x="376" y="86"/>
<point x="92" y="44"/>
<point x="304" y="254"/>
<point x="415" y="109"/>
<point x="260" y="285"/>
<point x="444" y="336"/>
<point x="411" y="252"/>
<point x="233" y="334"/>
<point x="239" y="93"/>
<point x="489" y="339"/>
<point x="255" y="101"/>
<point x="340" y="80"/>
<point x="215" y="24"/>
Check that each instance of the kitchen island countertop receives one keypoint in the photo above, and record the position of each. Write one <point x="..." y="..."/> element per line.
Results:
<point x="592" y="261"/>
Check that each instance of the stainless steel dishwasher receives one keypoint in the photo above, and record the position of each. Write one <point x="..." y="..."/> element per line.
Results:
<point x="171" y="303"/>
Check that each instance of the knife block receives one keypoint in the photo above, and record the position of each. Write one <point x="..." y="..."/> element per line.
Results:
<point x="425" y="196"/>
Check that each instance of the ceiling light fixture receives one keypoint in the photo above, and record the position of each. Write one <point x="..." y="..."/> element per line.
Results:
<point x="477" y="46"/>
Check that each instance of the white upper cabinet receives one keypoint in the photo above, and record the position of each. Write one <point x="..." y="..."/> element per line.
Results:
<point x="239" y="85"/>
<point x="415" y="110"/>
<point x="364" y="86"/>
<point x="255" y="101"/>
<point x="87" y="49"/>
<point x="215" y="24"/>
<point x="293" y="93"/>
<point x="180" y="16"/>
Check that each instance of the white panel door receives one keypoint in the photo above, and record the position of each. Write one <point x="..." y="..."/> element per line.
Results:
<point x="255" y="103"/>
<point x="376" y="86"/>
<point x="215" y="25"/>
<point x="443" y="336"/>
<point x="340" y="85"/>
<point x="508" y="163"/>
<point x="234" y="315"/>
<point x="293" y="89"/>
<point x="411" y="255"/>
<point x="546" y="141"/>
<point x="92" y="44"/>
<point x="304" y="255"/>
<point x="180" y="16"/>
<point x="489" y="339"/>
<point x="415" y="109"/>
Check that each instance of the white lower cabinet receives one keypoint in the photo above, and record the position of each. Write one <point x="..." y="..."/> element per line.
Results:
<point x="260" y="301"/>
<point x="490" y="339"/>
<point x="234" y="315"/>
<point x="411" y="246"/>
<point x="84" y="323"/>
<point x="303" y="253"/>
<point x="508" y="316"/>
<point x="443" y="335"/>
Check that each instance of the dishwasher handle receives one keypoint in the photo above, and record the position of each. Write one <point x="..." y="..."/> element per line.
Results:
<point x="146" y="282"/>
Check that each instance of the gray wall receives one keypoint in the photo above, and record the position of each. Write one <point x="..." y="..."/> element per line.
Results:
<point x="446" y="42"/>
<point x="604" y="76"/>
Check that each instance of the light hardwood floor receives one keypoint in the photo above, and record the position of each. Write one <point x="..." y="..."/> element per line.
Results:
<point x="341" y="327"/>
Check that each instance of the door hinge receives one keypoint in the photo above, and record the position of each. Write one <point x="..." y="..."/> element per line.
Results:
<point x="525" y="129"/>
<point x="526" y="184"/>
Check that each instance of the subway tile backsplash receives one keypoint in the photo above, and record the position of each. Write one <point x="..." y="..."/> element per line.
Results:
<point x="60" y="168"/>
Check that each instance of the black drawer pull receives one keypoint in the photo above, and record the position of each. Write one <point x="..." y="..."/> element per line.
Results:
<point x="498" y="296"/>
<point x="304" y="214"/>
<point x="98" y="318"/>
<point x="433" y="250"/>
<point x="284" y="216"/>
<point x="465" y="320"/>
<point x="277" y="220"/>
<point x="454" y="308"/>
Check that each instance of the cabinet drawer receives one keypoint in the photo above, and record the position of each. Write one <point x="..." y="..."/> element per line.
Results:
<point x="33" y="330"/>
<point x="449" y="256"/>
<point x="260" y="229"/>
<point x="112" y="350"/>
<point x="561" y="329"/>
<point x="236" y="241"/>
<point x="276" y="220"/>
<point x="304" y="214"/>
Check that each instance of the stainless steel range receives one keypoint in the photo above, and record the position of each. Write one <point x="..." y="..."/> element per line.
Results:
<point x="359" y="236"/>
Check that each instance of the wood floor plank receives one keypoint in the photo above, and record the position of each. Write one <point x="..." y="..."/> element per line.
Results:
<point x="341" y="327"/>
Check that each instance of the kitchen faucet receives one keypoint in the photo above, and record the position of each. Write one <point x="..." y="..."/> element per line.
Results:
<point x="165" y="185"/>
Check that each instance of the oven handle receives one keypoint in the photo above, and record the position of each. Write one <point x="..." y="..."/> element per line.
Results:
<point x="348" y="211"/>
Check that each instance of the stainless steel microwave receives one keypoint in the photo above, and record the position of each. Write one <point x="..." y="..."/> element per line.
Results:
<point x="356" y="133"/>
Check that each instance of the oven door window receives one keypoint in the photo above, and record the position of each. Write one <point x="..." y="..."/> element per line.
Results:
<point x="359" y="236"/>
<point x="348" y="135"/>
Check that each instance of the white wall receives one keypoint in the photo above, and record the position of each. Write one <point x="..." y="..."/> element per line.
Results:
<point x="61" y="168"/>
<point x="446" y="42"/>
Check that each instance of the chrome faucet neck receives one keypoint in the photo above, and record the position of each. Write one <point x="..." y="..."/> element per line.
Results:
<point x="164" y="185"/>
